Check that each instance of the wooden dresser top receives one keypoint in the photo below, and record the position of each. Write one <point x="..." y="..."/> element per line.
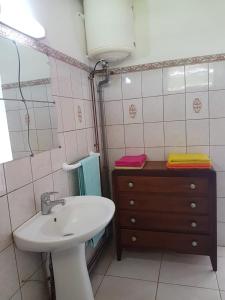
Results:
<point x="159" y="168"/>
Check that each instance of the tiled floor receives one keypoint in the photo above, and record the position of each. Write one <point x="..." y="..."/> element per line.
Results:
<point x="158" y="276"/>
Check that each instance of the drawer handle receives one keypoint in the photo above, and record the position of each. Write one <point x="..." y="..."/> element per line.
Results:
<point x="192" y="186"/>
<point x="134" y="239"/>
<point x="193" y="205"/>
<point x="133" y="220"/>
<point x="193" y="224"/>
<point x="194" y="244"/>
<point x="131" y="185"/>
<point x="132" y="202"/>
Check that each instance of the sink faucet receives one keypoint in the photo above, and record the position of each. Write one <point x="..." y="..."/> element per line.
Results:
<point x="47" y="204"/>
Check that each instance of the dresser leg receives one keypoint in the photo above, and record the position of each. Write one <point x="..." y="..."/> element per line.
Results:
<point x="214" y="262"/>
<point x="119" y="253"/>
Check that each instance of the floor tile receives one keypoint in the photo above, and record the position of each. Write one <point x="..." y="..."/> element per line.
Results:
<point x="96" y="280"/>
<point x="188" y="270"/>
<point x="221" y="273"/>
<point x="114" y="288"/>
<point x="105" y="260"/>
<point x="175" y="292"/>
<point x="137" y="265"/>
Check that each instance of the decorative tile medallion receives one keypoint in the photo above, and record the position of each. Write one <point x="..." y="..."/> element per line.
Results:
<point x="79" y="114"/>
<point x="197" y="105"/>
<point x="132" y="111"/>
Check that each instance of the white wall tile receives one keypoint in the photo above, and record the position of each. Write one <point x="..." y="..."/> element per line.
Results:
<point x="86" y="92"/>
<point x="221" y="234"/>
<point x="175" y="133"/>
<point x="217" y="155"/>
<point x="135" y="151"/>
<point x="14" y="120"/>
<point x="67" y="108"/>
<point x="217" y="104"/>
<point x="15" y="180"/>
<point x="196" y="77"/>
<point x="153" y="109"/>
<point x="113" y="113"/>
<point x="54" y="76"/>
<point x="155" y="154"/>
<point x="113" y="91"/>
<point x="17" y="296"/>
<point x="220" y="209"/>
<point x="198" y="149"/>
<point x="220" y="184"/>
<point x="41" y="165"/>
<point x="41" y="186"/>
<point x="153" y="134"/>
<point x="152" y="83"/>
<point x="58" y="157"/>
<point x="131" y="85"/>
<point x="27" y="263"/>
<point x="197" y="132"/>
<point x="45" y="139"/>
<point x="217" y="136"/>
<point x="90" y="139"/>
<point x="82" y="145"/>
<point x="8" y="274"/>
<point x="5" y="226"/>
<point x="134" y="135"/>
<point x="76" y="83"/>
<point x="39" y="93"/>
<point x="42" y="118"/>
<point x="115" y="136"/>
<point x="60" y="182"/>
<point x="173" y="80"/>
<point x="2" y="181"/>
<point x="59" y="113"/>
<point x="197" y="105"/>
<point x="174" y="107"/>
<point x="217" y="75"/>
<point x="21" y="205"/>
<point x="132" y="110"/>
<point x="64" y="79"/>
<point x="71" y="146"/>
<point x="89" y="122"/>
<point x="79" y="114"/>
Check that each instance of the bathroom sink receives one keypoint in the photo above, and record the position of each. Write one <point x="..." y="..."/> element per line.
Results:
<point x="76" y="222"/>
<point x="64" y="233"/>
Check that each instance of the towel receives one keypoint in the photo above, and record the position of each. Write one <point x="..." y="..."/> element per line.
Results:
<point x="189" y="165"/>
<point x="131" y="161"/>
<point x="188" y="157"/>
<point x="90" y="184"/>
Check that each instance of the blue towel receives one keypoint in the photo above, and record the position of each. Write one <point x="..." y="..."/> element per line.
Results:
<point x="90" y="184"/>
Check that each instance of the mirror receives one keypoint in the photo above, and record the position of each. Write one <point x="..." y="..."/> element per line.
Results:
<point x="28" y="122"/>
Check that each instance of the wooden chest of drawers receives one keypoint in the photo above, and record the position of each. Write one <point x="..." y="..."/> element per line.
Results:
<point x="166" y="209"/>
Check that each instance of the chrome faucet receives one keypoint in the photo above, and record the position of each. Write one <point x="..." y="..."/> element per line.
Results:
<point x="47" y="204"/>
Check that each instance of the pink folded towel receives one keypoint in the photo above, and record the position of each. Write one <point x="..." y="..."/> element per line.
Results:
<point x="131" y="161"/>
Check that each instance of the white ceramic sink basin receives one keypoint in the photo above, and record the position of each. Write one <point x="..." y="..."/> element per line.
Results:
<point x="64" y="233"/>
<point x="76" y="222"/>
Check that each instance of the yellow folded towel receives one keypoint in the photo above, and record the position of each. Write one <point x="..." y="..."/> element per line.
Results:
<point x="188" y="157"/>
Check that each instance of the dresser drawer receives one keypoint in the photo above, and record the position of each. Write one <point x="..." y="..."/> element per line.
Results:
<point x="185" y="185"/>
<point x="162" y="203"/>
<point x="187" y="243"/>
<point x="164" y="222"/>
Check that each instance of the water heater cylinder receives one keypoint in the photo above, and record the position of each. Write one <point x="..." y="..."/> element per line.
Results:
<point x="109" y="29"/>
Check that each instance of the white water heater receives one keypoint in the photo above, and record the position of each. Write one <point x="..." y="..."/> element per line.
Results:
<point x="109" y="29"/>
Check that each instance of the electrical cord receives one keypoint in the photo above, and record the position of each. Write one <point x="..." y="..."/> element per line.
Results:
<point x="23" y="99"/>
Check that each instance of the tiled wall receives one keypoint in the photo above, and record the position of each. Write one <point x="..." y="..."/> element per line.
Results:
<point x="173" y="109"/>
<point x="42" y="116"/>
<point x="23" y="181"/>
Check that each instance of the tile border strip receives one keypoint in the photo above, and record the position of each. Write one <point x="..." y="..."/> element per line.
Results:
<point x="34" y="82"/>
<point x="7" y="32"/>
<point x="169" y="63"/>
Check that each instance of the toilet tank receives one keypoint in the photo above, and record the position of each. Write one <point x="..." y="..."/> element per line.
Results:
<point x="109" y="29"/>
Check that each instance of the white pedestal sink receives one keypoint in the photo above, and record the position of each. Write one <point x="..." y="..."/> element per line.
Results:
<point x="64" y="233"/>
